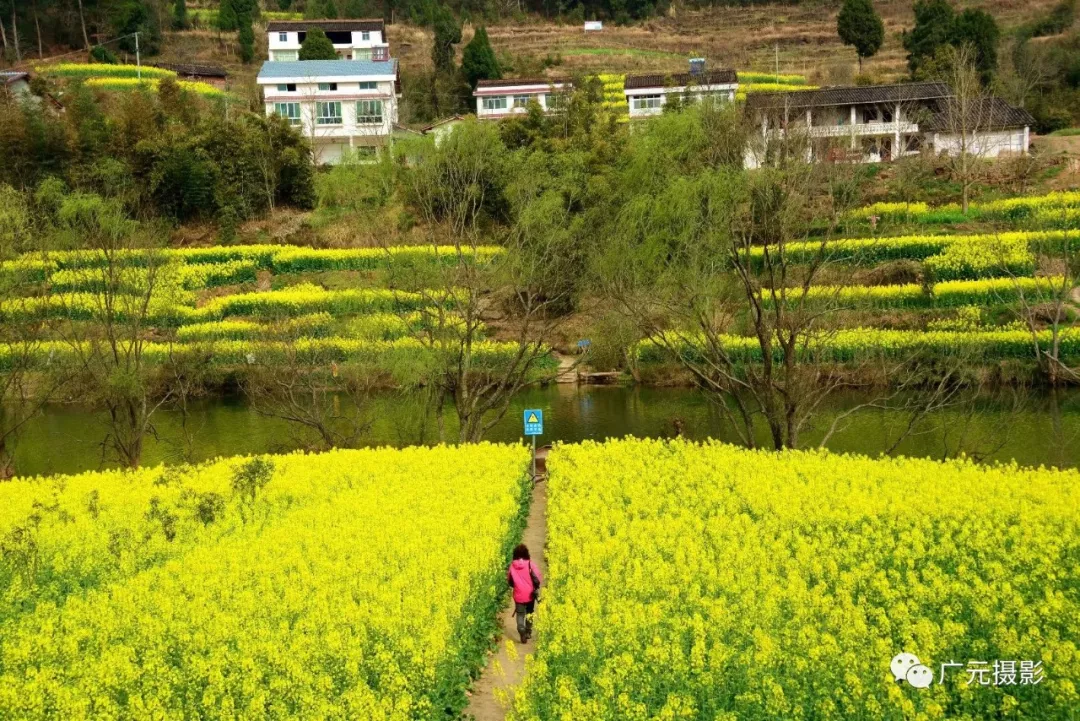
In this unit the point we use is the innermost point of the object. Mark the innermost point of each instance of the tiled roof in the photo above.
(326, 68)
(848, 95)
(508, 82)
(203, 71)
(983, 114)
(328, 26)
(722, 76)
(10, 76)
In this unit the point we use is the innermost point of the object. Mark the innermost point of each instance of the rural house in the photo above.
(647, 94)
(882, 122)
(497, 99)
(352, 39)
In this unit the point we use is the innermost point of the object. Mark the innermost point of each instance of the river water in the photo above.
(1043, 429)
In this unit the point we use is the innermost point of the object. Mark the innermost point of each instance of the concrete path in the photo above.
(493, 691)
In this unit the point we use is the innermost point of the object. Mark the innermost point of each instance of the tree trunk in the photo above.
(3, 35)
(37, 28)
(15, 34)
(82, 21)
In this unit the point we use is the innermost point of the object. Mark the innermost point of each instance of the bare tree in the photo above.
(516, 297)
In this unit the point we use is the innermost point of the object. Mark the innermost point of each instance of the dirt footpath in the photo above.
(494, 689)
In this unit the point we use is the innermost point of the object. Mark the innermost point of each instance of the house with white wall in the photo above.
(497, 99)
(646, 95)
(881, 122)
(352, 39)
(339, 105)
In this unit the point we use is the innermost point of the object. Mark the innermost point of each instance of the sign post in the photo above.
(534, 426)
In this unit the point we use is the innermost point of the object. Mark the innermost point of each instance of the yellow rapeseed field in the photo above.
(351, 585)
(695, 581)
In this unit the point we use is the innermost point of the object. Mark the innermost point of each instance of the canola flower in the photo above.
(747, 76)
(315, 325)
(193, 276)
(204, 89)
(704, 581)
(856, 344)
(102, 70)
(1037, 207)
(987, 291)
(317, 598)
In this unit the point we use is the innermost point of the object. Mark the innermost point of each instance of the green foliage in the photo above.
(246, 36)
(858, 24)
(101, 54)
(317, 46)
(937, 25)
(478, 61)
(1058, 20)
(247, 480)
(356, 8)
(327, 8)
(180, 18)
(447, 35)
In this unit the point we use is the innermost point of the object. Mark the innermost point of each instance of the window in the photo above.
(495, 102)
(365, 36)
(283, 37)
(379, 54)
(369, 112)
(288, 111)
(645, 102)
(328, 113)
(362, 55)
(285, 55)
(287, 88)
(369, 85)
(554, 101)
(327, 86)
(521, 101)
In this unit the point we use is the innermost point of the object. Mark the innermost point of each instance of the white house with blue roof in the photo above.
(339, 105)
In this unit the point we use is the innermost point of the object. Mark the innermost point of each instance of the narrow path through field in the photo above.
(494, 689)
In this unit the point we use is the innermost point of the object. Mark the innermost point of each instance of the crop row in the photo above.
(946, 257)
(858, 344)
(286, 303)
(987, 291)
(373, 326)
(401, 353)
(1038, 207)
(102, 70)
(275, 258)
(704, 581)
(190, 276)
(306, 593)
(204, 89)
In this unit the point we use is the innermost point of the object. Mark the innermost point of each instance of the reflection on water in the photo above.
(1045, 430)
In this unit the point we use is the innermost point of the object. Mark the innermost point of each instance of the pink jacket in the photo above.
(518, 577)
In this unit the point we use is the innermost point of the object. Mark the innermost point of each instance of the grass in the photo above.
(636, 52)
(1065, 132)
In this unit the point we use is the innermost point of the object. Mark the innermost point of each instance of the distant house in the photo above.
(352, 39)
(647, 94)
(210, 74)
(441, 128)
(339, 105)
(882, 122)
(497, 99)
(16, 83)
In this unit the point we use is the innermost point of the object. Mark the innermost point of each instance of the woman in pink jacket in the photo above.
(524, 577)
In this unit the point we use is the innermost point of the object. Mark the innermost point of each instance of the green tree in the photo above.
(447, 35)
(978, 30)
(227, 19)
(478, 61)
(247, 39)
(317, 46)
(933, 24)
(328, 8)
(180, 19)
(355, 8)
(858, 24)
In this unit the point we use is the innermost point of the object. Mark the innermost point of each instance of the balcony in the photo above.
(863, 129)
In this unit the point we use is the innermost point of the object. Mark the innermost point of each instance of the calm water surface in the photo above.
(1045, 429)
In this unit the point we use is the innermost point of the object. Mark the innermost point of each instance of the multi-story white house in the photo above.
(647, 94)
(339, 105)
(496, 99)
(352, 39)
(882, 122)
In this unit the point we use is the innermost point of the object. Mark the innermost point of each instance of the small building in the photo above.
(16, 83)
(352, 39)
(497, 99)
(210, 74)
(441, 128)
(647, 94)
(882, 122)
(340, 105)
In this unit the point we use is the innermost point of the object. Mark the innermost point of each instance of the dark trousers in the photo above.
(523, 613)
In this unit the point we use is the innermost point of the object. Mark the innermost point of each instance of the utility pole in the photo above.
(776, 50)
(138, 62)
